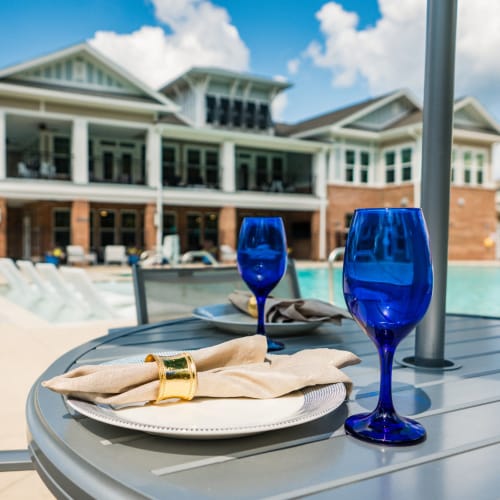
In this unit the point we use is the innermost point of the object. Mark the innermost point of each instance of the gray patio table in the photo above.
(79, 457)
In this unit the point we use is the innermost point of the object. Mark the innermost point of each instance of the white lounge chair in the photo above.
(115, 254)
(66, 293)
(103, 304)
(227, 254)
(171, 249)
(203, 255)
(75, 254)
(20, 290)
(52, 304)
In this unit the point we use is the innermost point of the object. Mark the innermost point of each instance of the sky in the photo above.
(334, 53)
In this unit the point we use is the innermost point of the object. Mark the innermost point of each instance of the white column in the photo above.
(79, 151)
(320, 190)
(153, 157)
(332, 163)
(227, 161)
(3, 149)
(319, 173)
(154, 180)
(322, 230)
(416, 162)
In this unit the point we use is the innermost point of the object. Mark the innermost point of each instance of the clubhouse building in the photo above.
(91, 156)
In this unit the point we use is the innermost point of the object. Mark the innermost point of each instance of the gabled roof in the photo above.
(219, 73)
(469, 114)
(357, 116)
(81, 69)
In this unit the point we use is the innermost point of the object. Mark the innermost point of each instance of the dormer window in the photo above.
(224, 111)
(250, 115)
(211, 105)
(237, 115)
(263, 117)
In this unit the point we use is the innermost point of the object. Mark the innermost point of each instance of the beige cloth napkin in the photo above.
(237, 368)
(287, 310)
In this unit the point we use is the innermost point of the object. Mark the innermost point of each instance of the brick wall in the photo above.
(472, 216)
(227, 227)
(80, 224)
(472, 220)
(149, 226)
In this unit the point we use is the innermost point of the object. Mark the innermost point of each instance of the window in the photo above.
(212, 168)
(479, 168)
(129, 228)
(62, 227)
(193, 231)
(406, 164)
(349, 165)
(250, 114)
(62, 155)
(169, 223)
(453, 162)
(390, 172)
(261, 171)
(211, 108)
(194, 167)
(169, 177)
(107, 227)
(237, 113)
(263, 118)
(107, 165)
(224, 111)
(210, 230)
(467, 167)
(365, 164)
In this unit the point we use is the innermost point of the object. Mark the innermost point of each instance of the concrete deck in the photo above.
(29, 345)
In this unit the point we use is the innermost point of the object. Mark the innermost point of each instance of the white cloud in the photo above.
(280, 102)
(390, 54)
(293, 66)
(201, 35)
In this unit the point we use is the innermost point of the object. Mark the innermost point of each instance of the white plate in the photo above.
(218, 418)
(228, 318)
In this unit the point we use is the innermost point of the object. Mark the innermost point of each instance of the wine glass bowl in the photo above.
(262, 261)
(387, 280)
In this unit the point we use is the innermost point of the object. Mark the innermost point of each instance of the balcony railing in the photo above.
(27, 164)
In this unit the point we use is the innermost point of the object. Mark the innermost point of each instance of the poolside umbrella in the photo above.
(435, 184)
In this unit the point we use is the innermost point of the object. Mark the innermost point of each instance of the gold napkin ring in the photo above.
(177, 374)
(252, 306)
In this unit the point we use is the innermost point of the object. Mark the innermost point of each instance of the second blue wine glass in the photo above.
(387, 288)
(262, 261)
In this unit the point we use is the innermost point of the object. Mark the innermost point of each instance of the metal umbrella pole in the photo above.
(435, 183)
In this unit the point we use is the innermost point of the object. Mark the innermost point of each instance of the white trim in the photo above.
(474, 103)
(75, 98)
(67, 191)
(3, 145)
(240, 139)
(87, 48)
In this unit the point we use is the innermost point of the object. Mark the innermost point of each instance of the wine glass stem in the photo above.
(385, 405)
(261, 302)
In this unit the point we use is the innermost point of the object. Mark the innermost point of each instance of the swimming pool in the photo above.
(471, 289)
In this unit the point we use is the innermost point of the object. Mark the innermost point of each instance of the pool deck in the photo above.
(29, 345)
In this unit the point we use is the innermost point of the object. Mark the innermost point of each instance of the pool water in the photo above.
(470, 289)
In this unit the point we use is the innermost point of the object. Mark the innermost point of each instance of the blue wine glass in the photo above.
(262, 261)
(387, 281)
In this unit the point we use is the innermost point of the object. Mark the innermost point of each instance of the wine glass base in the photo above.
(274, 345)
(391, 430)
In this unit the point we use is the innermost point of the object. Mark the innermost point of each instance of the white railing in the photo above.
(335, 254)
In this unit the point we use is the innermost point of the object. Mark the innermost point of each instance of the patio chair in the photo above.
(103, 304)
(167, 293)
(115, 254)
(75, 254)
(20, 289)
(227, 253)
(65, 292)
(171, 249)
